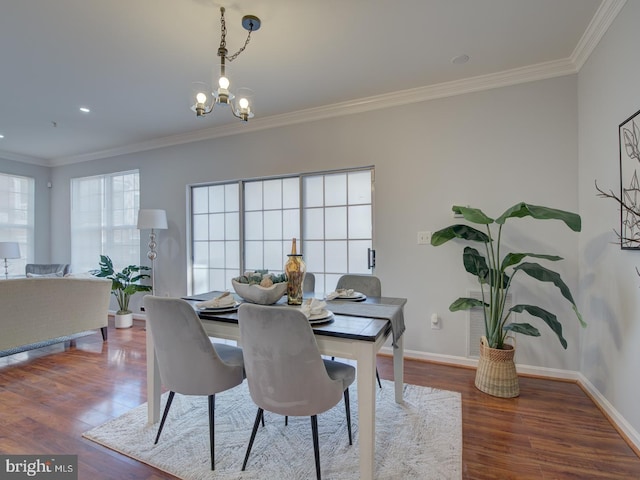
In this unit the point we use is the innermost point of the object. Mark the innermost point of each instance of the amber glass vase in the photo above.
(295, 268)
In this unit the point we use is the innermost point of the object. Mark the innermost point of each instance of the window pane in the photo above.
(272, 194)
(313, 254)
(290, 224)
(291, 193)
(201, 227)
(335, 189)
(314, 223)
(273, 259)
(200, 254)
(313, 191)
(359, 187)
(216, 226)
(336, 257)
(253, 255)
(216, 198)
(231, 197)
(360, 222)
(253, 196)
(358, 256)
(232, 226)
(253, 226)
(335, 225)
(273, 225)
(216, 255)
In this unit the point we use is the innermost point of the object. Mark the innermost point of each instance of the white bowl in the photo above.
(258, 294)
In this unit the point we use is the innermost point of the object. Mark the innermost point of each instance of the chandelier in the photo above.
(204, 99)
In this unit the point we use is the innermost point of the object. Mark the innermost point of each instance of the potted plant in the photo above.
(123, 284)
(495, 271)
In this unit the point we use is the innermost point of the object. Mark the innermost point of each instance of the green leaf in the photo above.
(545, 275)
(464, 232)
(548, 317)
(474, 215)
(572, 220)
(475, 263)
(514, 258)
(523, 328)
(463, 303)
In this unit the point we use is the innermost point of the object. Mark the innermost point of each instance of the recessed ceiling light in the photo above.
(84, 110)
(460, 59)
(1, 136)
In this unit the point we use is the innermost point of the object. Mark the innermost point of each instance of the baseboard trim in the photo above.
(624, 428)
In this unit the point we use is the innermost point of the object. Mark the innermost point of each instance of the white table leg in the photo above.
(398, 368)
(153, 382)
(366, 372)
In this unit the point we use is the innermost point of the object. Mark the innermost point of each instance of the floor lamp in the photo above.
(153, 219)
(9, 250)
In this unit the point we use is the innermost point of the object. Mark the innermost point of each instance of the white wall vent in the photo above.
(475, 329)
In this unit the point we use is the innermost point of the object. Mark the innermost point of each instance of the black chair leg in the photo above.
(316, 447)
(256, 424)
(348, 411)
(286, 420)
(212, 410)
(164, 415)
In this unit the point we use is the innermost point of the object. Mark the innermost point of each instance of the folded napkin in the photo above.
(341, 292)
(224, 300)
(313, 306)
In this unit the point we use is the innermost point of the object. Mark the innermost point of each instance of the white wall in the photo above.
(609, 92)
(490, 149)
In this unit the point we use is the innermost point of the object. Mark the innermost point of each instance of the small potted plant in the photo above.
(123, 284)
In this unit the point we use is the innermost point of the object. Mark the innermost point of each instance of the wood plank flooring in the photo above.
(48, 397)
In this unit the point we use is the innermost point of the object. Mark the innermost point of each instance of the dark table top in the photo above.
(354, 327)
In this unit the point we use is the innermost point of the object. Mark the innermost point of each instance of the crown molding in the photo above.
(421, 94)
(16, 157)
(601, 21)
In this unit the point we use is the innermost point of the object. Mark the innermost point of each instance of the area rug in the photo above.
(420, 439)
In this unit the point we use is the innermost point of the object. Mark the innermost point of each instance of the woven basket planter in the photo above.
(496, 374)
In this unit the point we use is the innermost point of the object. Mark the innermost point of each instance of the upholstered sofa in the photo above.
(39, 309)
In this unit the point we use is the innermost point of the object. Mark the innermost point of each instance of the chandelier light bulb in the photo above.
(244, 103)
(223, 82)
(201, 97)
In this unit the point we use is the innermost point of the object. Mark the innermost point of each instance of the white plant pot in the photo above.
(124, 321)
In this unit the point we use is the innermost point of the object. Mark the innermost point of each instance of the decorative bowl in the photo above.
(258, 294)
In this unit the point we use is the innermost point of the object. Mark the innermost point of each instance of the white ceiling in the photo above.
(132, 62)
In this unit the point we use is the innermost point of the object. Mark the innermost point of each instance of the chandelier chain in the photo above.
(223, 40)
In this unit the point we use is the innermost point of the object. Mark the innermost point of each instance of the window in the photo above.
(17, 200)
(104, 211)
(248, 225)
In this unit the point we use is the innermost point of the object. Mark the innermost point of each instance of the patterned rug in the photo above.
(420, 439)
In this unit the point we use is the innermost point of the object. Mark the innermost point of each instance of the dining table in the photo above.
(356, 330)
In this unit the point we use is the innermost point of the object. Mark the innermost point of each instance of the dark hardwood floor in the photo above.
(48, 397)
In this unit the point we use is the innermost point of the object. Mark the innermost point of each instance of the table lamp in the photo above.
(153, 219)
(9, 250)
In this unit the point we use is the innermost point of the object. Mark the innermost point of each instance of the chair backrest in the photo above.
(60, 269)
(309, 283)
(285, 372)
(367, 284)
(187, 360)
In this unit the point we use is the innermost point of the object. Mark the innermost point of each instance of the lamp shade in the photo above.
(9, 250)
(152, 218)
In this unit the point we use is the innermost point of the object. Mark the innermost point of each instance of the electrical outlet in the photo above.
(424, 238)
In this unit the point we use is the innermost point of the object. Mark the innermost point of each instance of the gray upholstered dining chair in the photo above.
(367, 284)
(189, 363)
(285, 372)
(34, 269)
(309, 283)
